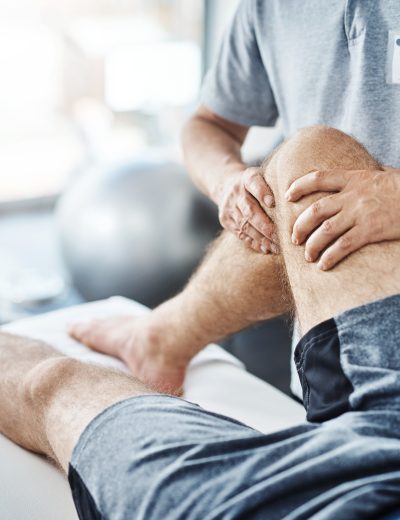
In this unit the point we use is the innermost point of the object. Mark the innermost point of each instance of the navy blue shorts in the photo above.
(158, 457)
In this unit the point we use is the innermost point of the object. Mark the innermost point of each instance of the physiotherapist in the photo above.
(328, 62)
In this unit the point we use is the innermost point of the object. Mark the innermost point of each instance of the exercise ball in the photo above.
(136, 230)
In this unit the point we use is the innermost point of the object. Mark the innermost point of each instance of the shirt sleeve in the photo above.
(237, 87)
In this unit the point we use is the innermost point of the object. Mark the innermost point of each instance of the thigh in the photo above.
(366, 275)
(155, 457)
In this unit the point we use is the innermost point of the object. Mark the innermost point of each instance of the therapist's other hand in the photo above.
(363, 209)
(136, 342)
(241, 201)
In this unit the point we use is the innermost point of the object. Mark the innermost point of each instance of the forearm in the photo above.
(212, 150)
(233, 289)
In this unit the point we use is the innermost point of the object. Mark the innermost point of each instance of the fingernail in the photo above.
(322, 266)
(308, 257)
(264, 249)
(269, 201)
(294, 240)
(275, 249)
(288, 195)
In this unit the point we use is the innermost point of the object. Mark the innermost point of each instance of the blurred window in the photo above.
(92, 80)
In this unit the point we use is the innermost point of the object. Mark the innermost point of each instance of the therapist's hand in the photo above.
(241, 200)
(365, 209)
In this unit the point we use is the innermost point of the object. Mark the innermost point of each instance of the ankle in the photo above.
(170, 337)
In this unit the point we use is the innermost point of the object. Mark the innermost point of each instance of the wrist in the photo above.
(218, 189)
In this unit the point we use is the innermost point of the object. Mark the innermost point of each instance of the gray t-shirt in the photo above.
(331, 62)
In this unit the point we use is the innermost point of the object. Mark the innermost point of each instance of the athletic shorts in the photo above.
(158, 457)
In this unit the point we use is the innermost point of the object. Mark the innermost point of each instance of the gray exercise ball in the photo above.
(138, 231)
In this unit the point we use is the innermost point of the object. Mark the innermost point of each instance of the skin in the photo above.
(212, 153)
(212, 150)
(363, 208)
(233, 288)
(247, 278)
(47, 400)
(368, 274)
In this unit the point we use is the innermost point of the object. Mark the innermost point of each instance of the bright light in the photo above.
(147, 77)
(88, 81)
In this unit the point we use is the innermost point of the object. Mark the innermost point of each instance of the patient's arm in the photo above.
(233, 288)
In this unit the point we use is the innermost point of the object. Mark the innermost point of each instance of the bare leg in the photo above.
(47, 400)
(367, 275)
(233, 288)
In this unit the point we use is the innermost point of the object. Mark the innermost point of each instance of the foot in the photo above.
(138, 343)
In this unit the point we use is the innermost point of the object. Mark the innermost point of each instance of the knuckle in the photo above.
(327, 227)
(345, 242)
(247, 183)
(315, 208)
(245, 226)
(249, 175)
(319, 175)
(370, 227)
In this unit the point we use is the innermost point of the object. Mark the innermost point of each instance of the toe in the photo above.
(80, 331)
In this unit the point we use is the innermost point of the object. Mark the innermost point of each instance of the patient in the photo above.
(132, 452)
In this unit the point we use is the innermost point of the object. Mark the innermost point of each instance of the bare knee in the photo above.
(42, 381)
(316, 148)
(320, 148)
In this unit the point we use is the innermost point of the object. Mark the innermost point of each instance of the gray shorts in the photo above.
(158, 457)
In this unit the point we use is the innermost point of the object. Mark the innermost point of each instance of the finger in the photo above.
(252, 211)
(246, 239)
(330, 230)
(321, 180)
(256, 246)
(261, 244)
(312, 217)
(231, 221)
(255, 184)
(346, 244)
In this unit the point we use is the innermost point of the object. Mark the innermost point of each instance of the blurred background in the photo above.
(94, 199)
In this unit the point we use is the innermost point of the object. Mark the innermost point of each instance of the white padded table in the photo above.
(32, 489)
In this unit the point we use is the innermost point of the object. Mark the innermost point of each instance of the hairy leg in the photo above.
(47, 400)
(367, 275)
(232, 289)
